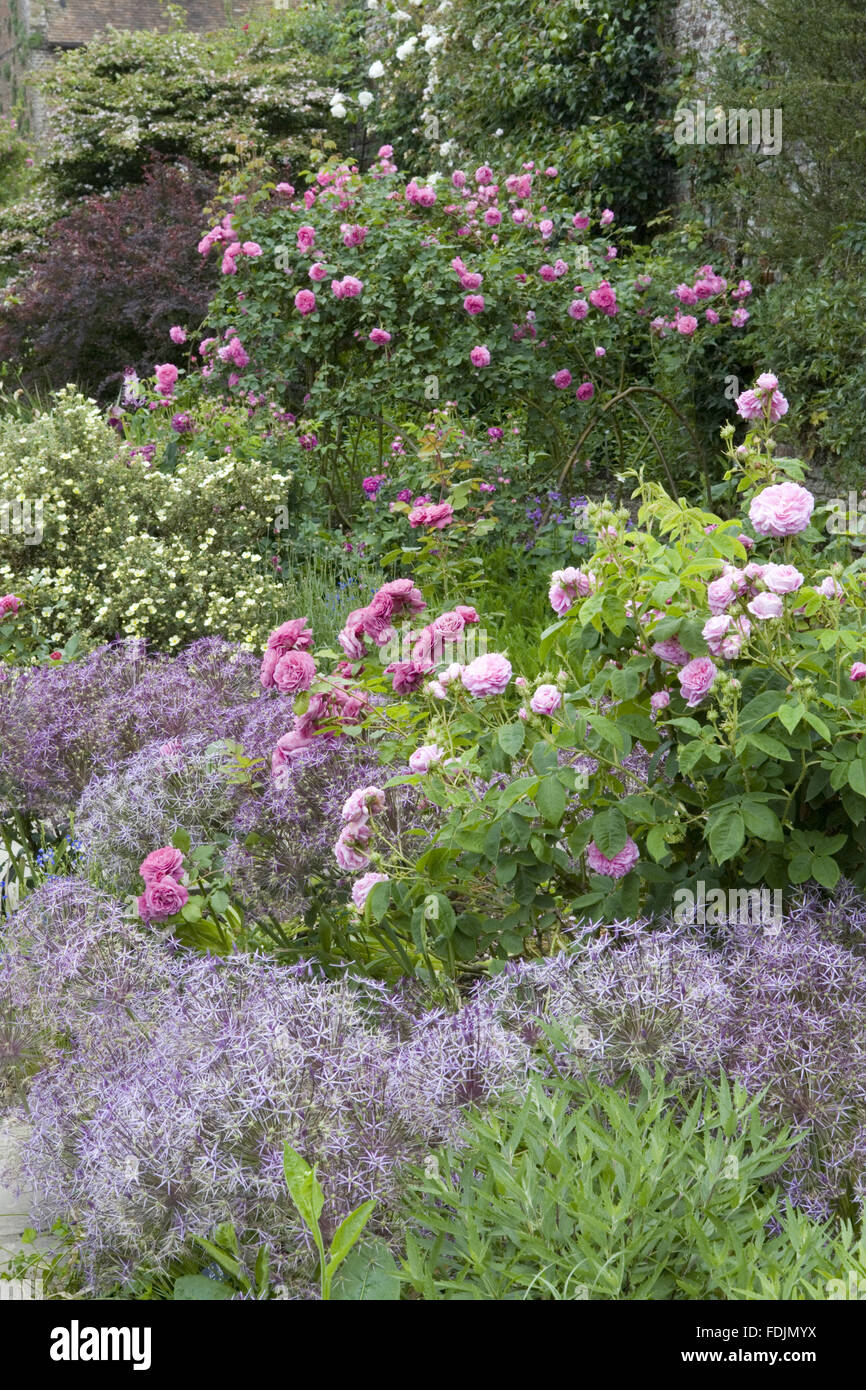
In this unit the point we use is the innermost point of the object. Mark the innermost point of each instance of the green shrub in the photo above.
(584, 1192)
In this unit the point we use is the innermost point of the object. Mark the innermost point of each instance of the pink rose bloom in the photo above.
(545, 226)
(407, 675)
(437, 515)
(353, 235)
(306, 238)
(379, 336)
(578, 309)
(317, 271)
(480, 357)
(404, 596)
(362, 887)
(294, 672)
(830, 588)
(251, 248)
(487, 675)
(305, 301)
(781, 510)
(714, 631)
(566, 586)
(711, 316)
(483, 174)
(686, 324)
(604, 299)
(619, 866)
(467, 613)
(696, 680)
(474, 304)
(458, 178)
(660, 699)
(162, 898)
(177, 334)
(606, 218)
(721, 593)
(585, 391)
(362, 803)
(9, 603)
(426, 757)
(765, 606)
(471, 280)
(161, 863)
(166, 377)
(547, 273)
(286, 750)
(348, 850)
(580, 221)
(740, 317)
(671, 651)
(858, 671)
(782, 579)
(562, 379)
(732, 644)
(546, 700)
(493, 217)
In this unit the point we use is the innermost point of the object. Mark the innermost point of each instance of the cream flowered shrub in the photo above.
(132, 551)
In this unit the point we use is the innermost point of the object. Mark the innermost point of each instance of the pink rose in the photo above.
(161, 863)
(578, 309)
(546, 700)
(721, 593)
(781, 510)
(287, 749)
(562, 379)
(474, 304)
(348, 850)
(671, 651)
(585, 391)
(317, 271)
(405, 596)
(765, 606)
(362, 803)
(9, 603)
(162, 898)
(696, 680)
(306, 238)
(166, 376)
(858, 671)
(619, 866)
(379, 336)
(177, 334)
(782, 579)
(604, 299)
(407, 675)
(714, 631)
(426, 757)
(305, 302)
(830, 588)
(437, 515)
(480, 357)
(362, 887)
(294, 672)
(660, 699)
(487, 675)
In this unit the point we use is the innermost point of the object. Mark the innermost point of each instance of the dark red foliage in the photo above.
(117, 273)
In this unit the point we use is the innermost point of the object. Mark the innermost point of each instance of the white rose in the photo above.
(377, 69)
(365, 99)
(338, 111)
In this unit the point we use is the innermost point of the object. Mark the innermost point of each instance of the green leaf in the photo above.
(180, 840)
(790, 715)
(551, 799)
(857, 776)
(347, 1234)
(761, 821)
(826, 871)
(610, 831)
(510, 737)
(369, 1275)
(726, 834)
(201, 1289)
(304, 1189)
(219, 901)
(378, 900)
